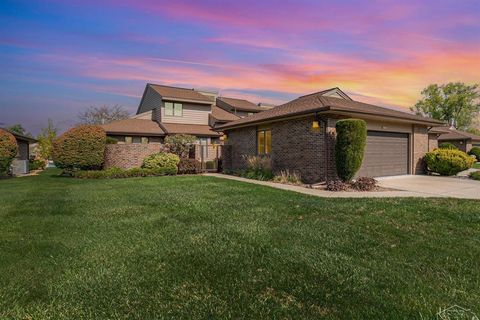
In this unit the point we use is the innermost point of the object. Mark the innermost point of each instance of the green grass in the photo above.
(202, 247)
(476, 165)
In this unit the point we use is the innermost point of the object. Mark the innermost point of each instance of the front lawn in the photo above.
(202, 247)
(476, 165)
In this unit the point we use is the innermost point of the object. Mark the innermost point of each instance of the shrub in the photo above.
(448, 162)
(189, 166)
(37, 164)
(447, 145)
(8, 151)
(288, 177)
(364, 184)
(81, 148)
(210, 164)
(475, 175)
(259, 168)
(111, 140)
(161, 160)
(349, 147)
(337, 185)
(475, 151)
(180, 144)
(117, 173)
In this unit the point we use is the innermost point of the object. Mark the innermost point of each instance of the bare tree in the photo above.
(103, 114)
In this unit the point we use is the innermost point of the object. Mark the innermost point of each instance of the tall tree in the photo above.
(45, 140)
(103, 114)
(19, 129)
(455, 102)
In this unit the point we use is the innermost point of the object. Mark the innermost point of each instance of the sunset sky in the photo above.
(59, 57)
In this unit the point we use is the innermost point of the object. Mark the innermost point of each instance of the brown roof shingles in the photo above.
(180, 93)
(241, 104)
(318, 103)
(458, 135)
(134, 127)
(193, 129)
(222, 115)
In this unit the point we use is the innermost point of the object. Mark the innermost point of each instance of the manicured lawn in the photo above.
(201, 247)
(476, 165)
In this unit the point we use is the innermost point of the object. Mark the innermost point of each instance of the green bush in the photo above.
(350, 147)
(37, 164)
(448, 162)
(475, 151)
(80, 148)
(210, 164)
(111, 140)
(189, 166)
(475, 175)
(180, 144)
(118, 173)
(258, 168)
(8, 151)
(161, 160)
(447, 145)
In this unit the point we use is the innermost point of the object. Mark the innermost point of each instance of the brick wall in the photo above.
(129, 155)
(420, 147)
(432, 141)
(242, 142)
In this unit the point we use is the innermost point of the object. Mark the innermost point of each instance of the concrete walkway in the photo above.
(330, 194)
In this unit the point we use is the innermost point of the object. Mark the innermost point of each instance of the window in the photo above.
(144, 140)
(128, 139)
(137, 140)
(264, 141)
(173, 109)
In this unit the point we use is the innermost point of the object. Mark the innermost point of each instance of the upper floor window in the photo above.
(264, 141)
(173, 109)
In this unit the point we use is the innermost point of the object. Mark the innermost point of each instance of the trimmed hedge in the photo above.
(8, 151)
(350, 147)
(447, 145)
(161, 160)
(117, 173)
(81, 148)
(448, 162)
(475, 151)
(189, 166)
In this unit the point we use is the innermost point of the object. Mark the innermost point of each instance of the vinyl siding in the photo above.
(192, 114)
(151, 101)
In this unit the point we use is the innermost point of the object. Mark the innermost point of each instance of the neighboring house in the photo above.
(166, 110)
(461, 139)
(300, 136)
(239, 107)
(20, 163)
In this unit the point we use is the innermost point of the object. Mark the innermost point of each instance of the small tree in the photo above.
(102, 115)
(350, 147)
(81, 147)
(8, 151)
(45, 140)
(180, 144)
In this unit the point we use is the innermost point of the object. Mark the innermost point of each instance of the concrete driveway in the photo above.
(434, 186)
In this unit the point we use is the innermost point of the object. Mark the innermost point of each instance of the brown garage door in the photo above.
(386, 154)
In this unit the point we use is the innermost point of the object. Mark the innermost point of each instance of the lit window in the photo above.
(173, 109)
(264, 141)
(144, 140)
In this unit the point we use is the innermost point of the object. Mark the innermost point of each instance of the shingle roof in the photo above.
(193, 129)
(222, 115)
(134, 127)
(241, 104)
(318, 103)
(458, 135)
(180, 93)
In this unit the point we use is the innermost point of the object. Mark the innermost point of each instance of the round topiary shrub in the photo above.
(8, 151)
(448, 162)
(350, 147)
(161, 160)
(447, 145)
(475, 151)
(81, 147)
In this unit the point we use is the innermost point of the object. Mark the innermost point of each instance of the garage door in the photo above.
(386, 154)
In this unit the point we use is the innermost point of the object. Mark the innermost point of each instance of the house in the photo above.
(166, 110)
(300, 136)
(462, 140)
(20, 163)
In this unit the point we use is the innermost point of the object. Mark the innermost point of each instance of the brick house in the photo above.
(462, 140)
(300, 136)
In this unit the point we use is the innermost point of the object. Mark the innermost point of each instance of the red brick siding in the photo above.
(420, 147)
(128, 156)
(243, 142)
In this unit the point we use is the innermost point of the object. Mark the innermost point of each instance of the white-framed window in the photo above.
(173, 109)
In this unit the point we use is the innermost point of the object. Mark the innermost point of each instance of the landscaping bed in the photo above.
(202, 247)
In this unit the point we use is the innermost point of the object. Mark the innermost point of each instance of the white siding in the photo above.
(192, 114)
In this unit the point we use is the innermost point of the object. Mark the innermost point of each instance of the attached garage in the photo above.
(386, 154)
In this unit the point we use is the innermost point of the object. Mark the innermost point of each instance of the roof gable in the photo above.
(183, 94)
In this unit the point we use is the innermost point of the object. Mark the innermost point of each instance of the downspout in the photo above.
(326, 142)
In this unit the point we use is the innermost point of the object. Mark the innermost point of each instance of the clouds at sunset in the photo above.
(80, 53)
